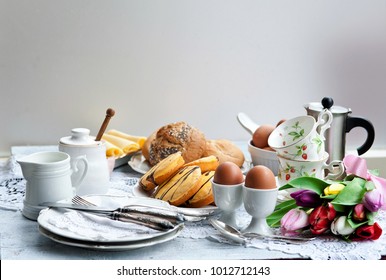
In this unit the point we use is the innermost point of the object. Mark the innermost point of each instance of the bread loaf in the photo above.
(224, 150)
(146, 146)
(177, 137)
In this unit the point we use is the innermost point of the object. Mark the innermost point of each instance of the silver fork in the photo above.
(159, 212)
(150, 219)
(81, 201)
(188, 215)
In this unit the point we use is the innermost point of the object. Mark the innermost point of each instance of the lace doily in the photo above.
(327, 247)
(12, 189)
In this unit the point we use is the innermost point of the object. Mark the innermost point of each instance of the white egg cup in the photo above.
(228, 199)
(259, 203)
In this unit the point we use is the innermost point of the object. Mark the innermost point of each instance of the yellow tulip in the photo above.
(334, 189)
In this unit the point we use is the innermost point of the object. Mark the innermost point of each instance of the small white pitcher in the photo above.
(48, 176)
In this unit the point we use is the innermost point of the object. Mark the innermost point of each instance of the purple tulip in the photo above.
(294, 219)
(306, 198)
(373, 200)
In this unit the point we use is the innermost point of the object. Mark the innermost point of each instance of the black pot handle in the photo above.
(368, 126)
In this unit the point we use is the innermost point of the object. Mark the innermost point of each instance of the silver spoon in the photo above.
(247, 123)
(235, 235)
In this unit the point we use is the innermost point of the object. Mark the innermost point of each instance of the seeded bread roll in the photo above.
(177, 137)
(225, 150)
(146, 145)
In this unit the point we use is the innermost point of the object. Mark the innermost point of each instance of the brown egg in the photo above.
(269, 149)
(228, 173)
(260, 136)
(260, 177)
(280, 122)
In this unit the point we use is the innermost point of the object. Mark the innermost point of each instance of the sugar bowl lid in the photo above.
(79, 137)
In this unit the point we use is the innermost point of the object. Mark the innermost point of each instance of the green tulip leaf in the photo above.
(355, 224)
(329, 197)
(349, 177)
(374, 172)
(351, 195)
(307, 183)
(371, 217)
(340, 208)
(369, 185)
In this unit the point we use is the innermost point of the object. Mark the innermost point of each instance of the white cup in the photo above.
(48, 176)
(291, 169)
(299, 139)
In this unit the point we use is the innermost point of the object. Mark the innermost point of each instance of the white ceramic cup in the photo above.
(291, 169)
(228, 198)
(298, 138)
(259, 203)
(263, 157)
(48, 176)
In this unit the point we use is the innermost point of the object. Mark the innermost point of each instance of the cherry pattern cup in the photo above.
(291, 169)
(301, 138)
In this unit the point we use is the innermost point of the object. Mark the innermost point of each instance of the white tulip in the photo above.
(340, 226)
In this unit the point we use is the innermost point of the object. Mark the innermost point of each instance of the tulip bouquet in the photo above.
(346, 208)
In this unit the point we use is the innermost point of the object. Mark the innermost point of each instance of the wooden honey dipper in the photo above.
(109, 113)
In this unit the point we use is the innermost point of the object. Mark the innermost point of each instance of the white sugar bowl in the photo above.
(80, 143)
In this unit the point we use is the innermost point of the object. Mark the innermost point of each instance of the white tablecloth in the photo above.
(21, 239)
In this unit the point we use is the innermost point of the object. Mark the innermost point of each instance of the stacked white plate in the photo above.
(86, 230)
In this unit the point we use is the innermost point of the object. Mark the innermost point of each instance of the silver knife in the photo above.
(172, 216)
(150, 202)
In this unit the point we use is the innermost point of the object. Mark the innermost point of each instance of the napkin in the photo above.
(85, 226)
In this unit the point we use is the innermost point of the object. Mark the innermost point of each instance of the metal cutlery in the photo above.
(190, 214)
(235, 235)
(147, 205)
(155, 221)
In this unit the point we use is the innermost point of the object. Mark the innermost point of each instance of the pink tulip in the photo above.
(373, 200)
(294, 219)
(359, 213)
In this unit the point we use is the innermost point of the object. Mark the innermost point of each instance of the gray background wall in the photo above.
(63, 63)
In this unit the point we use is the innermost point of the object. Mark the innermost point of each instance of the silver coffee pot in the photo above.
(342, 123)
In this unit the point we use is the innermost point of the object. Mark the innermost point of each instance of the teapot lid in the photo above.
(79, 137)
(327, 102)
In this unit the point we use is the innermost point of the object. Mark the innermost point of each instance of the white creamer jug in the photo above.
(80, 143)
(48, 176)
